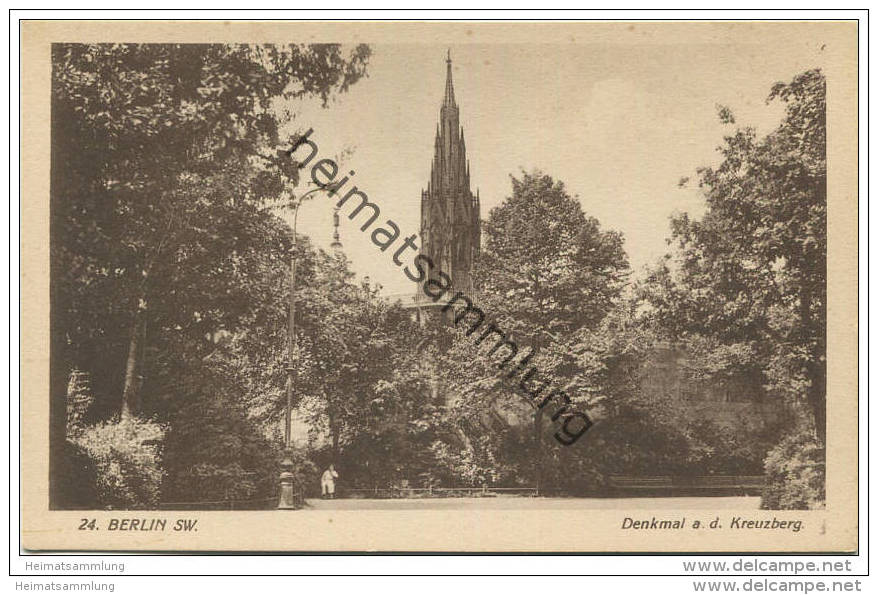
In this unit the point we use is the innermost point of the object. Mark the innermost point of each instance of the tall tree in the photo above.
(357, 381)
(162, 156)
(546, 271)
(749, 279)
(358, 370)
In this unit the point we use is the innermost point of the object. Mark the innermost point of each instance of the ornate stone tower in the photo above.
(450, 232)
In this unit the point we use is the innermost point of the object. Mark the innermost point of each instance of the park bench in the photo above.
(667, 484)
(739, 482)
(640, 483)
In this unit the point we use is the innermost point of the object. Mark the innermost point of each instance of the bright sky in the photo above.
(618, 124)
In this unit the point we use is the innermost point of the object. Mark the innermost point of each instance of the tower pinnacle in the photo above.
(449, 86)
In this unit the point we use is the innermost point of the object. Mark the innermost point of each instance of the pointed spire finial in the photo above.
(449, 86)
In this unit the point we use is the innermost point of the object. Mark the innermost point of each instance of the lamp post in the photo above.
(287, 499)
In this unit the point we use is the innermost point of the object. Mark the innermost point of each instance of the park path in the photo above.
(690, 503)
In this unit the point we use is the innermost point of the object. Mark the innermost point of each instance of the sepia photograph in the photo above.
(439, 286)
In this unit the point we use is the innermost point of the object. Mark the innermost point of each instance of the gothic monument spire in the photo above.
(450, 228)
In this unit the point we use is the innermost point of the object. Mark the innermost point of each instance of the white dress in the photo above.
(327, 482)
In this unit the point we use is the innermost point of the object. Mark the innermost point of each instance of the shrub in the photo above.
(723, 450)
(795, 474)
(213, 451)
(465, 465)
(628, 443)
(126, 456)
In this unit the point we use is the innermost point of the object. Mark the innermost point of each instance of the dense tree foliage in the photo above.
(358, 383)
(746, 287)
(163, 157)
(546, 272)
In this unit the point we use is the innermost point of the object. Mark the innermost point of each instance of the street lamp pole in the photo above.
(287, 499)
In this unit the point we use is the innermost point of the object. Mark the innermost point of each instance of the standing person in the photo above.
(327, 483)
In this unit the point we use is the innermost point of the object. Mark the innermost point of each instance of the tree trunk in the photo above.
(130, 402)
(333, 432)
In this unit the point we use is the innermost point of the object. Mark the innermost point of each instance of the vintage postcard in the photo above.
(439, 287)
